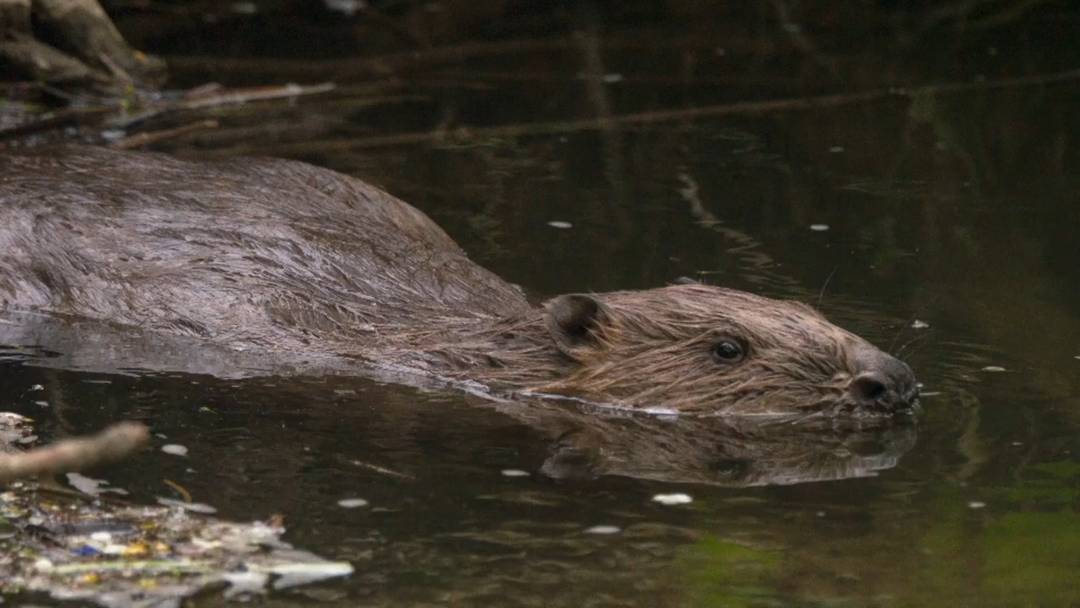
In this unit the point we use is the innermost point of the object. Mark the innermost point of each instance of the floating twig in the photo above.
(110, 445)
(150, 137)
(225, 97)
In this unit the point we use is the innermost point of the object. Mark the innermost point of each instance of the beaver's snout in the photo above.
(882, 381)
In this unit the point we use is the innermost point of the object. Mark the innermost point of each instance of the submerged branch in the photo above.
(742, 108)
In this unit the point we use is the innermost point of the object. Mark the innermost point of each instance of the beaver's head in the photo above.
(698, 348)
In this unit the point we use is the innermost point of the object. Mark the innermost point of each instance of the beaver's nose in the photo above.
(882, 381)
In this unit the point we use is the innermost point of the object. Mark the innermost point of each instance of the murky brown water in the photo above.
(939, 222)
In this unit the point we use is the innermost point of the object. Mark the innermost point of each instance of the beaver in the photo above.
(314, 269)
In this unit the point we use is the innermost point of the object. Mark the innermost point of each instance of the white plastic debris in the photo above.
(603, 530)
(352, 503)
(175, 449)
(673, 499)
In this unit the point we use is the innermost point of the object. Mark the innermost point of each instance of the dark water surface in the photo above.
(939, 222)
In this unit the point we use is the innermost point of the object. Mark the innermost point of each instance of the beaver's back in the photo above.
(255, 251)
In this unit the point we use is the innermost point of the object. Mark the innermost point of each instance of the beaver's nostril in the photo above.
(869, 387)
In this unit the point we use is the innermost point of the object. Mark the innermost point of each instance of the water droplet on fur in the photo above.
(819, 227)
(993, 368)
(560, 224)
(514, 473)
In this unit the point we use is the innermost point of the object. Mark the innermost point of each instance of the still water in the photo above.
(940, 221)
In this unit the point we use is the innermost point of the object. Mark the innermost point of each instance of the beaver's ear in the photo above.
(574, 319)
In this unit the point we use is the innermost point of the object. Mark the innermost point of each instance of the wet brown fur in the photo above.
(655, 351)
(302, 263)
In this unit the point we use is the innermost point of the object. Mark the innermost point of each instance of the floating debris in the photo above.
(603, 530)
(194, 507)
(673, 499)
(91, 486)
(175, 449)
(514, 473)
(352, 503)
(560, 224)
(819, 227)
(142, 556)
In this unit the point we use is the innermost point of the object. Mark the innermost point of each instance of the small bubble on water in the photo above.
(673, 499)
(603, 530)
(514, 473)
(560, 224)
(917, 324)
(345, 7)
(993, 368)
(352, 503)
(175, 449)
(976, 504)
(245, 8)
(819, 227)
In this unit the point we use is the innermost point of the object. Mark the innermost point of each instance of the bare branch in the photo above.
(110, 445)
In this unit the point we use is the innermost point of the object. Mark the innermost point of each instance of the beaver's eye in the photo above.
(727, 351)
